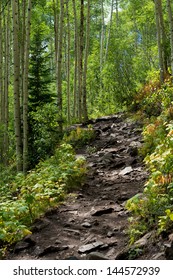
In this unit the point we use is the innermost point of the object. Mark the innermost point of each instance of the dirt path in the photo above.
(93, 219)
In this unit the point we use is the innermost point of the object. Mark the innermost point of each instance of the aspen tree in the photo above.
(80, 60)
(1, 83)
(159, 41)
(1, 54)
(59, 67)
(109, 31)
(16, 62)
(25, 87)
(7, 82)
(117, 13)
(58, 30)
(85, 114)
(68, 63)
(76, 45)
(163, 36)
(170, 18)
(102, 36)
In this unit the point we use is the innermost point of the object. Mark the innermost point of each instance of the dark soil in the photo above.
(92, 223)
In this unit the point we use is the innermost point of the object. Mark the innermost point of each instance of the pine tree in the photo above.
(39, 72)
(39, 91)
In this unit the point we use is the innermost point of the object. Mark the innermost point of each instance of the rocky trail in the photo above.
(92, 222)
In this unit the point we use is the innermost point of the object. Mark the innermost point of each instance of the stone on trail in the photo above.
(126, 170)
(144, 240)
(135, 144)
(110, 234)
(102, 211)
(52, 249)
(21, 245)
(96, 256)
(90, 247)
(86, 225)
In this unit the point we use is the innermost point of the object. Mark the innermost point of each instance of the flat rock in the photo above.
(126, 170)
(21, 245)
(135, 144)
(72, 231)
(143, 241)
(159, 256)
(30, 240)
(117, 207)
(96, 256)
(52, 249)
(86, 225)
(112, 242)
(102, 211)
(90, 247)
(40, 224)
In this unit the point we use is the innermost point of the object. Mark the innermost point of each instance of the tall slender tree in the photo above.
(109, 30)
(68, 63)
(102, 35)
(25, 87)
(76, 46)
(16, 62)
(159, 40)
(7, 82)
(170, 18)
(1, 85)
(85, 113)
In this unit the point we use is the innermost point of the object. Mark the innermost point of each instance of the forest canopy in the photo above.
(66, 61)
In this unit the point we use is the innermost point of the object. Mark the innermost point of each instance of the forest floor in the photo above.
(92, 222)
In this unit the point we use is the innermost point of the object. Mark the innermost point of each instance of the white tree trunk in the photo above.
(85, 114)
(170, 17)
(16, 62)
(109, 31)
(25, 89)
(159, 42)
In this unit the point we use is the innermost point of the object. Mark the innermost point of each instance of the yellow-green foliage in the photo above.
(154, 208)
(28, 197)
(79, 136)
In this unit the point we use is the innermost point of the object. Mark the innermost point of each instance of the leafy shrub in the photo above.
(153, 134)
(154, 208)
(79, 136)
(29, 197)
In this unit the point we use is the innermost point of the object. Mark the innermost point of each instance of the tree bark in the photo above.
(117, 12)
(25, 88)
(68, 64)
(170, 17)
(1, 85)
(6, 84)
(56, 29)
(16, 61)
(1, 67)
(102, 36)
(109, 31)
(159, 41)
(59, 67)
(85, 114)
(80, 60)
(76, 45)
(163, 37)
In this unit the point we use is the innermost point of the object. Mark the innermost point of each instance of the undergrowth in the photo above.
(79, 137)
(154, 208)
(25, 198)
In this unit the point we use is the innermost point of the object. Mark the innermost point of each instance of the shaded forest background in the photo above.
(65, 62)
